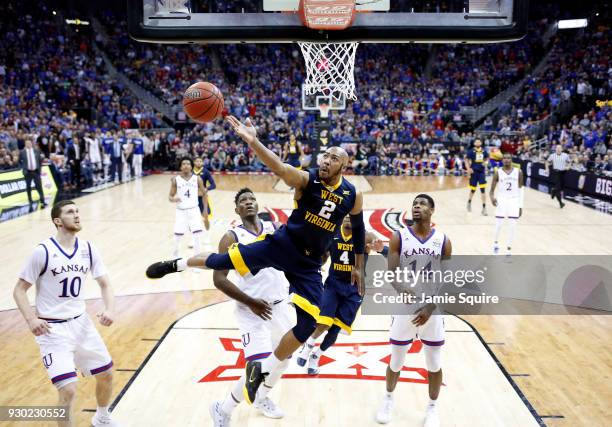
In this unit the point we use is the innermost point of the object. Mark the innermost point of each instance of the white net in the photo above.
(330, 65)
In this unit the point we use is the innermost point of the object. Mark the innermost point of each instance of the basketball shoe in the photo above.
(303, 354)
(103, 421)
(268, 408)
(383, 416)
(313, 363)
(220, 418)
(431, 417)
(254, 378)
(160, 269)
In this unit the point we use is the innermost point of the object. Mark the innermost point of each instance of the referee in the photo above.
(560, 163)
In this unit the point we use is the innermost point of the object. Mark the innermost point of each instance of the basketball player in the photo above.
(475, 162)
(509, 200)
(323, 198)
(67, 337)
(417, 247)
(341, 300)
(292, 152)
(95, 158)
(184, 191)
(262, 310)
(209, 183)
(138, 154)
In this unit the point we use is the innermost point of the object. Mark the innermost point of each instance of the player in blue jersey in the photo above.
(322, 198)
(341, 300)
(209, 183)
(476, 161)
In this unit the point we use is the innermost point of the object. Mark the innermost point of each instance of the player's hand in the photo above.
(261, 308)
(493, 201)
(246, 131)
(39, 327)
(423, 315)
(520, 212)
(377, 245)
(357, 280)
(106, 318)
(176, 199)
(206, 222)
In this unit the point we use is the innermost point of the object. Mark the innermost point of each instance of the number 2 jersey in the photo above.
(59, 277)
(319, 213)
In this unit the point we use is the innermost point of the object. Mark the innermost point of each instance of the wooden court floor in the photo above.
(562, 364)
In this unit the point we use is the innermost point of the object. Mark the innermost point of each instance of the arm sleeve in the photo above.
(35, 265)
(358, 232)
(98, 269)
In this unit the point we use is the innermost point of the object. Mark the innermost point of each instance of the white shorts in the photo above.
(75, 344)
(188, 220)
(260, 337)
(403, 331)
(507, 208)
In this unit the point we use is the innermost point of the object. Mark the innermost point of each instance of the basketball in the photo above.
(203, 102)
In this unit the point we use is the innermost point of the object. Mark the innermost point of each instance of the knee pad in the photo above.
(398, 356)
(304, 326)
(433, 357)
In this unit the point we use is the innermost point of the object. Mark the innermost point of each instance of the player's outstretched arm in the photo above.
(221, 282)
(293, 177)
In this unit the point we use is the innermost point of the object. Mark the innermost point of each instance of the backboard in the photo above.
(376, 21)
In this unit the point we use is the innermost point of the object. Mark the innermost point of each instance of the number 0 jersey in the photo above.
(59, 277)
(319, 213)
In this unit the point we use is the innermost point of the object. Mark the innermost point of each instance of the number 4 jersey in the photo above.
(59, 277)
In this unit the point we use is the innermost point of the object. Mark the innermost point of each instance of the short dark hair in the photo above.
(240, 193)
(189, 159)
(56, 210)
(428, 198)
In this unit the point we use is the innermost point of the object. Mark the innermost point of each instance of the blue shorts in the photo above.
(278, 251)
(340, 304)
(478, 179)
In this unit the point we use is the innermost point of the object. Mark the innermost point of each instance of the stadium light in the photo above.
(76, 22)
(566, 24)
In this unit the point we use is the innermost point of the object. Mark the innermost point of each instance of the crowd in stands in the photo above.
(54, 88)
(578, 70)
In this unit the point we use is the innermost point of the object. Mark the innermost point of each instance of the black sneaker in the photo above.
(160, 269)
(254, 378)
(561, 205)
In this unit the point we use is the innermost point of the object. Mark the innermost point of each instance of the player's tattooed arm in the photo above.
(293, 177)
(172, 196)
(258, 306)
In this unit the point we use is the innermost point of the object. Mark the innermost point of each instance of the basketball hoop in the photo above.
(324, 110)
(329, 64)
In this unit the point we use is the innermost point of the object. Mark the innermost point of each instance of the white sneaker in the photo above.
(431, 417)
(383, 416)
(303, 355)
(484, 211)
(313, 364)
(220, 418)
(469, 206)
(103, 421)
(268, 408)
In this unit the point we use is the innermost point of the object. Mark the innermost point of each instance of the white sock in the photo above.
(269, 363)
(310, 343)
(196, 243)
(432, 402)
(272, 379)
(498, 224)
(177, 242)
(181, 264)
(102, 411)
(512, 231)
(389, 395)
(234, 397)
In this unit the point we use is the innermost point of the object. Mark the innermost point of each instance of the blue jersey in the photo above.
(319, 213)
(342, 257)
(477, 156)
(138, 146)
(207, 179)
